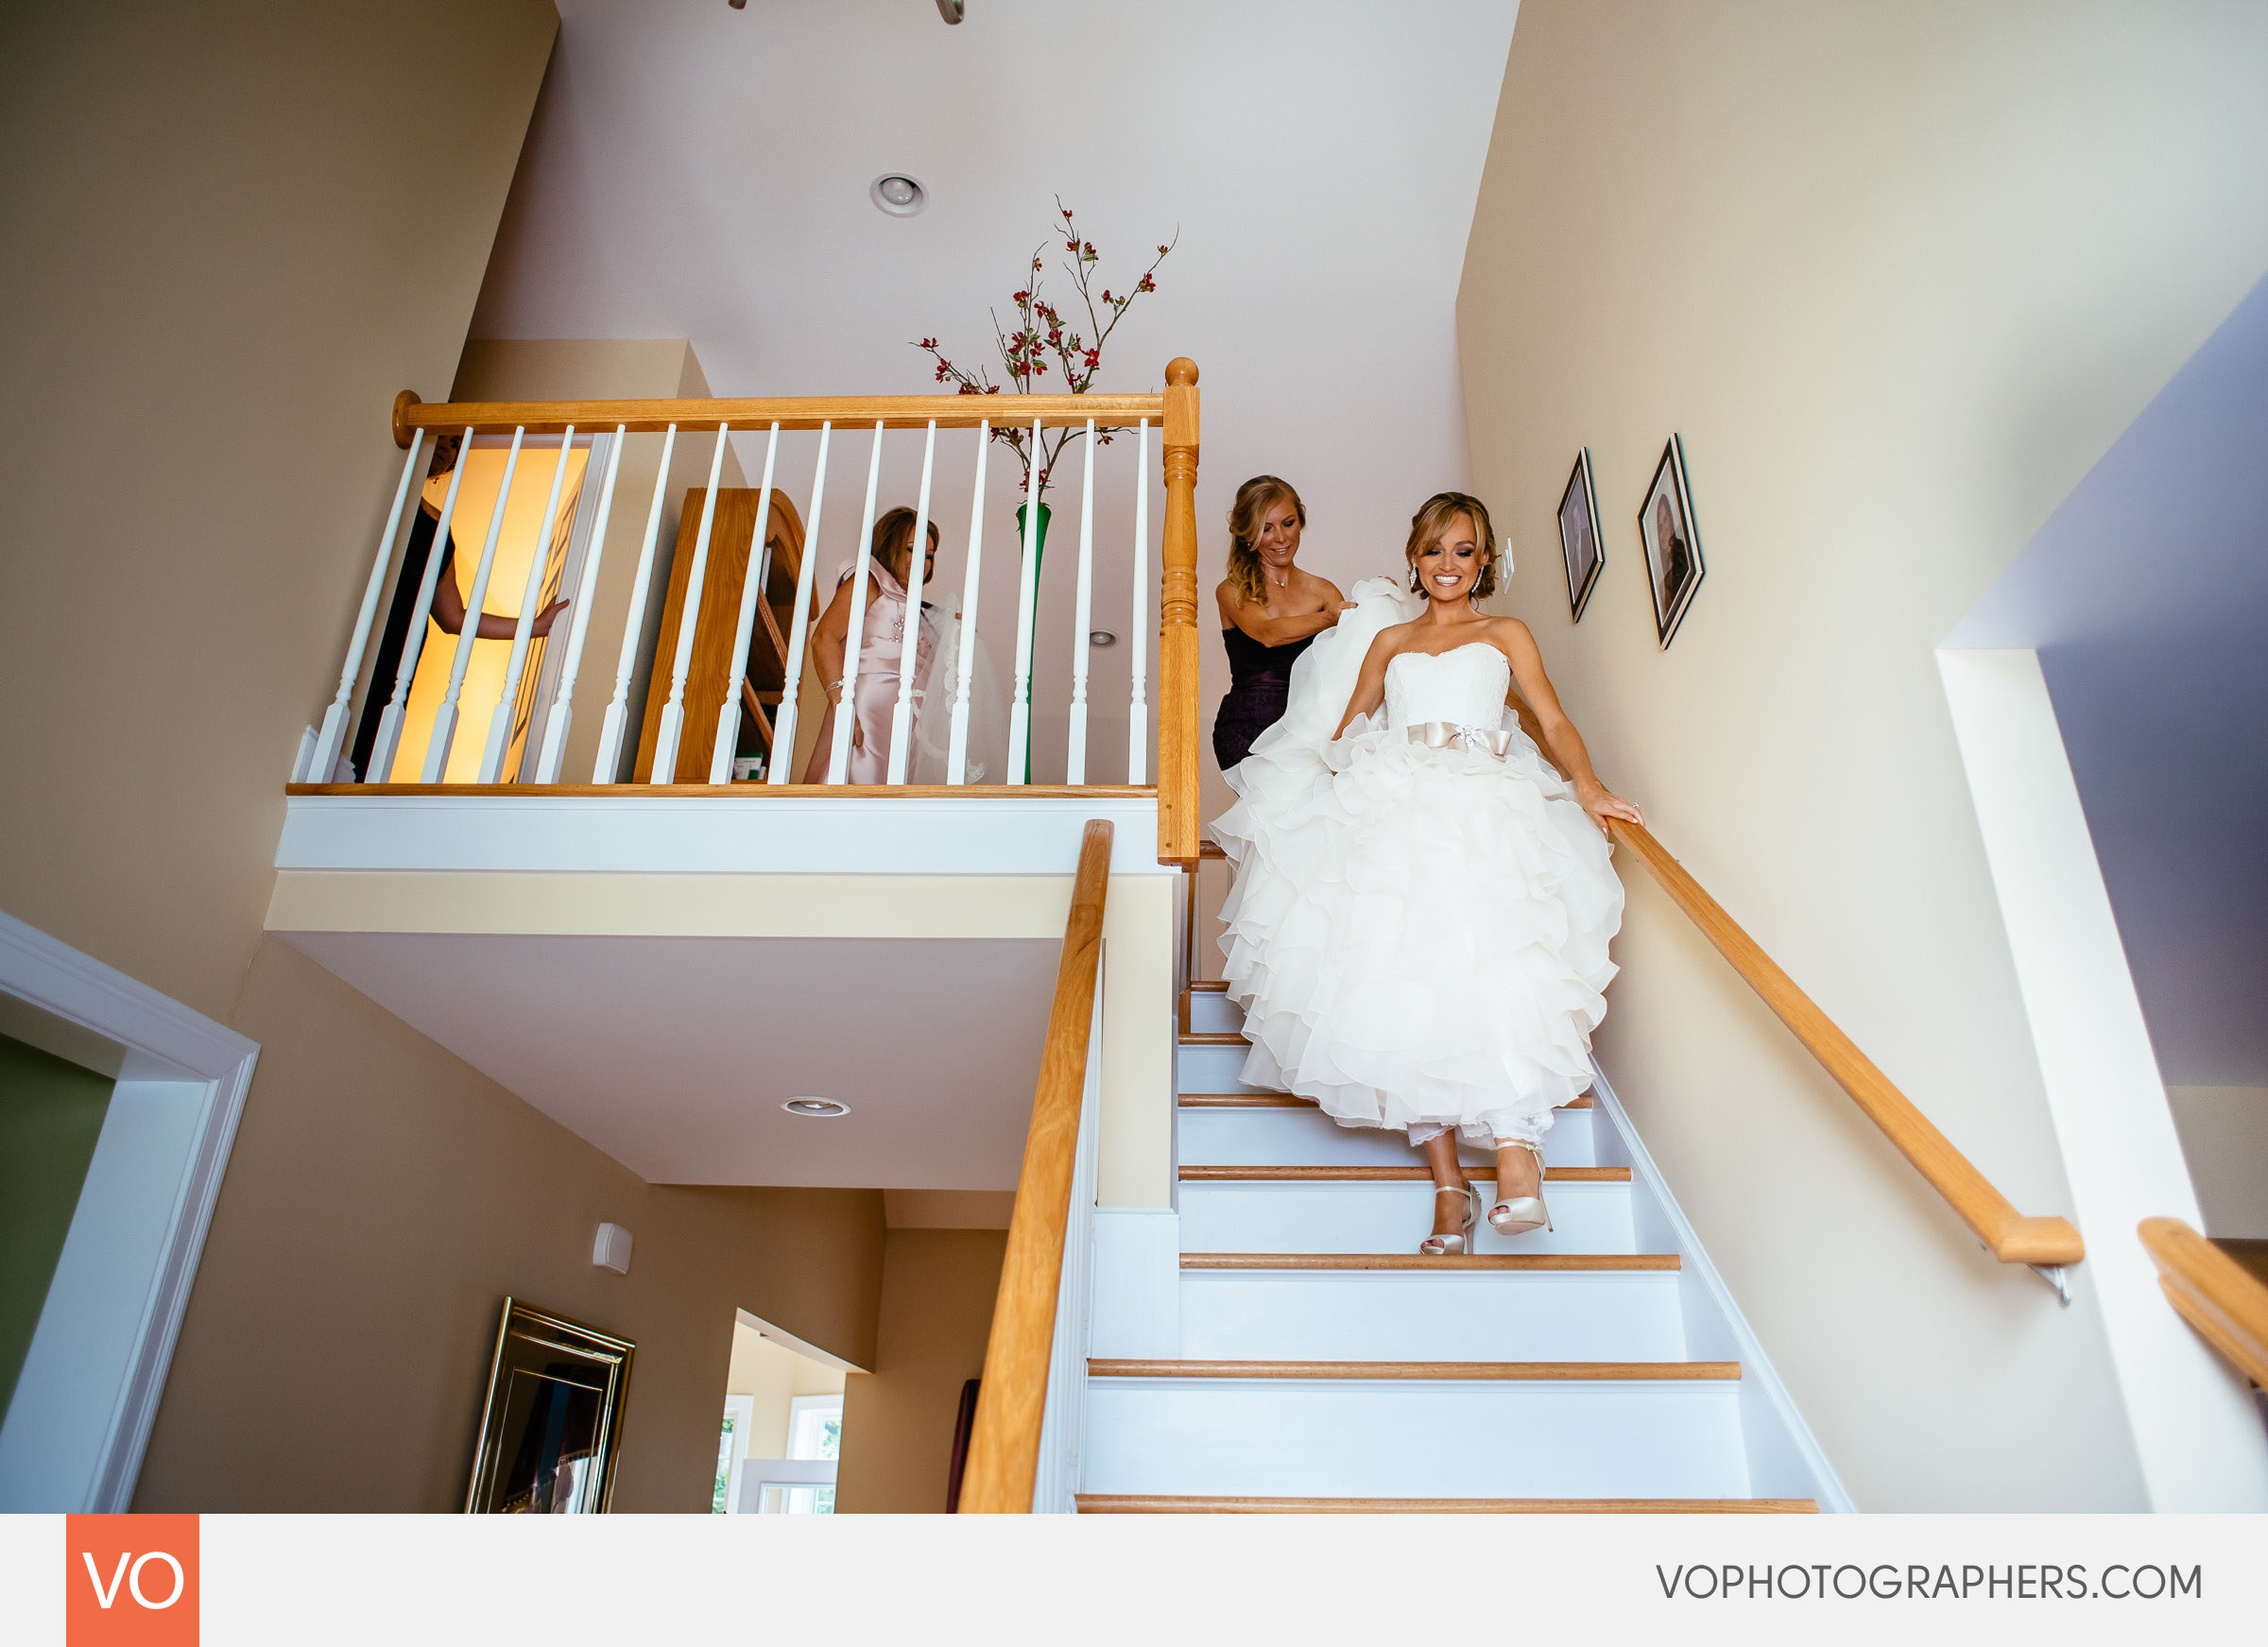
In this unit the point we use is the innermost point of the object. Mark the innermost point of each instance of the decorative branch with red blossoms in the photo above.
(1040, 341)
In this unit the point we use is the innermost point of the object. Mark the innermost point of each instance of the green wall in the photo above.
(50, 1114)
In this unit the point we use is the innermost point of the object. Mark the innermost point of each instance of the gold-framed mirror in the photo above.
(551, 1422)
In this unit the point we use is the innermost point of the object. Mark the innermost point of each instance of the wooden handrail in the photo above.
(2214, 1293)
(1003, 1453)
(803, 412)
(2006, 1233)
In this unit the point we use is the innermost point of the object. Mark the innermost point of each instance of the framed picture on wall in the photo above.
(1580, 540)
(1672, 541)
(553, 1419)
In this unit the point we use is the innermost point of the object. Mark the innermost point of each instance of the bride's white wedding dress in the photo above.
(1418, 929)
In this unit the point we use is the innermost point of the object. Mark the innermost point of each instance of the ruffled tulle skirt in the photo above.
(1418, 936)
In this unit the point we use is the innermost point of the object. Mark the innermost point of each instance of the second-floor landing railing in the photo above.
(761, 598)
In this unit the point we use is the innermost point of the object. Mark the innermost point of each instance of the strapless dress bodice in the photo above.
(1464, 685)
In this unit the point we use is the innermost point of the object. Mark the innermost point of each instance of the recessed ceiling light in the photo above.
(898, 195)
(823, 1107)
(1101, 638)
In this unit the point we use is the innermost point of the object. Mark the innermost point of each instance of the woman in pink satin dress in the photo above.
(882, 643)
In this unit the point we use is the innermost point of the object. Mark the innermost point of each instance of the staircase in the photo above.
(1323, 1365)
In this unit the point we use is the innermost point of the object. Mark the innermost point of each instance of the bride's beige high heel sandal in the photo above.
(1453, 1245)
(1518, 1214)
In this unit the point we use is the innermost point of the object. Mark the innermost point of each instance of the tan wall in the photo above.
(381, 1201)
(937, 1311)
(1898, 276)
(235, 230)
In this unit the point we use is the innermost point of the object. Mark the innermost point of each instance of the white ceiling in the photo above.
(695, 171)
(674, 1054)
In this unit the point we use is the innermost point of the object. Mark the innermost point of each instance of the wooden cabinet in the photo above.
(762, 674)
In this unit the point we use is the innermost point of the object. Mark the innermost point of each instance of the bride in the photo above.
(1418, 933)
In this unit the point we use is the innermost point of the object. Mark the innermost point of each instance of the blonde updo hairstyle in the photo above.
(1254, 499)
(1430, 523)
(893, 541)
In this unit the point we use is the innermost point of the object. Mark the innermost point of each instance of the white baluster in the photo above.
(618, 709)
(334, 718)
(500, 718)
(798, 630)
(1138, 636)
(1074, 760)
(957, 758)
(862, 560)
(1020, 707)
(413, 644)
(579, 615)
(444, 719)
(672, 712)
(751, 591)
(909, 656)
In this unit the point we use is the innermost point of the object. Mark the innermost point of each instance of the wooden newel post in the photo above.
(1178, 633)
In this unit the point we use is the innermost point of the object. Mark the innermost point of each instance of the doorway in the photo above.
(782, 1433)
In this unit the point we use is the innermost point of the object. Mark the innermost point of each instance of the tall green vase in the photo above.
(1027, 643)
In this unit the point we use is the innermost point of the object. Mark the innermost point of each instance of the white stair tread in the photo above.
(1386, 1217)
(1458, 1315)
(1415, 1438)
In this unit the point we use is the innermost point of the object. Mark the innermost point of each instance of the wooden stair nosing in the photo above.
(1424, 1371)
(1227, 1175)
(1169, 1504)
(1513, 1262)
(1213, 1037)
(1293, 1101)
(1211, 985)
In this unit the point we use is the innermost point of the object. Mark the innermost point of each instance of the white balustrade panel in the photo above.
(608, 763)
(500, 718)
(959, 682)
(689, 617)
(1027, 598)
(909, 648)
(798, 630)
(334, 718)
(862, 561)
(1138, 632)
(413, 644)
(751, 591)
(578, 623)
(957, 757)
(444, 719)
(1082, 645)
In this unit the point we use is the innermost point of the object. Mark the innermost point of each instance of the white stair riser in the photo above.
(1309, 1137)
(1414, 1439)
(1391, 1217)
(1211, 1012)
(1389, 1315)
(1211, 1069)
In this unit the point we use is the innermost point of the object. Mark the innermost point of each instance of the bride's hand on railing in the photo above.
(1602, 803)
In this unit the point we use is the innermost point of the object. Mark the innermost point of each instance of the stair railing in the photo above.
(2215, 1294)
(539, 458)
(2047, 1244)
(1028, 1407)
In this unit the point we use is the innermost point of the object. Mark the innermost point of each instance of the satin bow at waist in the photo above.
(1442, 735)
